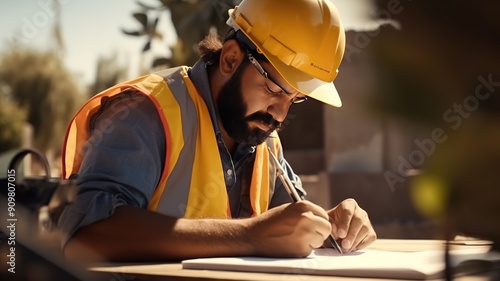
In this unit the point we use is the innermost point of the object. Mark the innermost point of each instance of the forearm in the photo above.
(137, 234)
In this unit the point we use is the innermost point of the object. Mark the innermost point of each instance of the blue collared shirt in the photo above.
(123, 161)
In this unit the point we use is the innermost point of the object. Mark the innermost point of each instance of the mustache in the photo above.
(265, 118)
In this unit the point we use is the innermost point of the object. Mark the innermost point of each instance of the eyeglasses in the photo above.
(262, 72)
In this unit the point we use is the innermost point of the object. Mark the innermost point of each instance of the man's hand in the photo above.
(290, 230)
(351, 225)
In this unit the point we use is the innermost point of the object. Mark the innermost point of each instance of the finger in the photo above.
(370, 238)
(365, 229)
(306, 207)
(361, 236)
(355, 227)
(321, 226)
(315, 209)
(317, 218)
(343, 215)
(321, 229)
(317, 240)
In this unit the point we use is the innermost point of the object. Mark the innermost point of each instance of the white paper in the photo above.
(367, 263)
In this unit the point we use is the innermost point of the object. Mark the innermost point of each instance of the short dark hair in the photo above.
(210, 49)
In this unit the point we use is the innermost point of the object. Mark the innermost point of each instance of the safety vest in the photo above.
(192, 182)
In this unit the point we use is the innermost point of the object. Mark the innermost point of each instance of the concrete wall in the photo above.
(359, 145)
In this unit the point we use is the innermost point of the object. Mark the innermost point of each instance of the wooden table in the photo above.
(174, 271)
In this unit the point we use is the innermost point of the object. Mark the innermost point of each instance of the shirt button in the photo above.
(229, 172)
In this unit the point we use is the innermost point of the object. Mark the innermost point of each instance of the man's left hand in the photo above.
(351, 226)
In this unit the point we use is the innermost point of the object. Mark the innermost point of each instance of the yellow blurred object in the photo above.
(303, 39)
(429, 195)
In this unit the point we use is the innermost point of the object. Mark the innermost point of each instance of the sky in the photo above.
(92, 28)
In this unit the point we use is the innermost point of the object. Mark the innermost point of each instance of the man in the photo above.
(176, 164)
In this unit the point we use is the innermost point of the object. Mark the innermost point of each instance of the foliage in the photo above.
(40, 85)
(192, 20)
(108, 73)
(11, 121)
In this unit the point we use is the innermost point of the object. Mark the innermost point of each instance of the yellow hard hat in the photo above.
(303, 39)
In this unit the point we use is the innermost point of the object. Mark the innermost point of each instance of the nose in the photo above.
(279, 109)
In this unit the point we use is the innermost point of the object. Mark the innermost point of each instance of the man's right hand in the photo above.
(289, 230)
(134, 234)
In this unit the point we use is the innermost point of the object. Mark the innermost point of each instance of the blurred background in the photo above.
(416, 142)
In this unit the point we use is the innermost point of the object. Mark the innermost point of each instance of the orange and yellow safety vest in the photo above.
(192, 182)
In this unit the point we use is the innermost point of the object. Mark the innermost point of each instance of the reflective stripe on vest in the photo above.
(192, 183)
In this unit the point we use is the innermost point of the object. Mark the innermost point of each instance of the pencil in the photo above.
(296, 197)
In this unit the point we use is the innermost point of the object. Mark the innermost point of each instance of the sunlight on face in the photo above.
(251, 129)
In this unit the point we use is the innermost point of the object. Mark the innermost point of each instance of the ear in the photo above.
(230, 58)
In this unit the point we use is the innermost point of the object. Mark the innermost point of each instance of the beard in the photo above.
(232, 110)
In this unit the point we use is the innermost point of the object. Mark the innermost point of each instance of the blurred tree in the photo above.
(192, 20)
(40, 85)
(108, 73)
(12, 120)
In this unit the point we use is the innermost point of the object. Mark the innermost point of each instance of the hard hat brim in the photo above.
(328, 94)
(308, 85)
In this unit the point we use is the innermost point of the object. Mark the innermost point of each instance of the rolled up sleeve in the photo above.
(122, 163)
